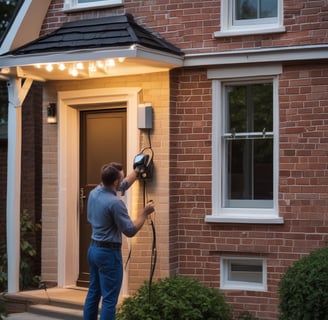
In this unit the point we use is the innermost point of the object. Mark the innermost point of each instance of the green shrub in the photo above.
(304, 288)
(29, 229)
(246, 316)
(175, 298)
(27, 277)
(3, 309)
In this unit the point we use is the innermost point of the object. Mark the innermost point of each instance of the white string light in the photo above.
(49, 67)
(73, 71)
(75, 68)
(61, 66)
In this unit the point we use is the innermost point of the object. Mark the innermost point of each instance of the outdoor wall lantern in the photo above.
(52, 113)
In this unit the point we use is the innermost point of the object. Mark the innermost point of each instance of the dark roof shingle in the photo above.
(114, 31)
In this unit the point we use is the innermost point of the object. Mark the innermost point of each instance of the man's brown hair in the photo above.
(110, 172)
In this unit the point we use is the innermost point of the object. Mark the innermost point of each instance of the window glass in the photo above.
(87, 4)
(268, 8)
(255, 9)
(248, 146)
(250, 107)
(247, 271)
(243, 273)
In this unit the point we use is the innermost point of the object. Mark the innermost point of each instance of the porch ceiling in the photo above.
(100, 47)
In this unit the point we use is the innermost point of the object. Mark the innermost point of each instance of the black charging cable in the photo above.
(154, 246)
(151, 222)
(153, 259)
(149, 140)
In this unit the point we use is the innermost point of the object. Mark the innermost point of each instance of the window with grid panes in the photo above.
(245, 144)
(250, 17)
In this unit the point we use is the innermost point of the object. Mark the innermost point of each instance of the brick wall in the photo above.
(303, 181)
(190, 24)
(31, 166)
(155, 89)
(3, 188)
(49, 250)
(32, 152)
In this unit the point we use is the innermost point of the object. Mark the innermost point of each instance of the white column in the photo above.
(13, 186)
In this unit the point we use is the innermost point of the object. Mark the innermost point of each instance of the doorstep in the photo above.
(52, 302)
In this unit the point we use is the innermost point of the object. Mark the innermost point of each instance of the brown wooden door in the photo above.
(103, 140)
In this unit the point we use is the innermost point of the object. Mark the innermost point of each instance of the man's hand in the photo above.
(149, 208)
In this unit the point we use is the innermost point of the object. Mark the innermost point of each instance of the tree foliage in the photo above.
(7, 8)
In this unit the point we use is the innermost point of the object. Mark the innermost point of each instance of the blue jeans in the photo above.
(106, 274)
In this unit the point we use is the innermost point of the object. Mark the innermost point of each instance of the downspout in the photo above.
(16, 95)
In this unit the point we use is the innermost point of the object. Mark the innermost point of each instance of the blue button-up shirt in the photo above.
(108, 215)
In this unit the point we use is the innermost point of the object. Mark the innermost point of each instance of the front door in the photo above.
(103, 140)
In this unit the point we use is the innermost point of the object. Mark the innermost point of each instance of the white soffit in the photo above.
(137, 60)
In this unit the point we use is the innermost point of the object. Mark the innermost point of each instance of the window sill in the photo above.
(92, 6)
(250, 31)
(244, 286)
(224, 218)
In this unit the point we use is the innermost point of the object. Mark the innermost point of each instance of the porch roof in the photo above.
(95, 39)
(97, 33)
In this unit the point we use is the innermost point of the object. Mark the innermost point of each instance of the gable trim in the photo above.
(26, 25)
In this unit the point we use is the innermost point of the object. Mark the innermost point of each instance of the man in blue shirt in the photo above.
(109, 218)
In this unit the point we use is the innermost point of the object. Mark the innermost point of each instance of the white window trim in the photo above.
(241, 215)
(258, 27)
(73, 5)
(227, 284)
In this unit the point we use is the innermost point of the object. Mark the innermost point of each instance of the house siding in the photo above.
(154, 89)
(303, 183)
(49, 250)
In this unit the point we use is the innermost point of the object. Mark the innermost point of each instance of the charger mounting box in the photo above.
(145, 116)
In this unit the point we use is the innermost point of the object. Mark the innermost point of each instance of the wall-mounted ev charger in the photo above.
(145, 116)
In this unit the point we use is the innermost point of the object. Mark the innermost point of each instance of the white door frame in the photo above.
(68, 166)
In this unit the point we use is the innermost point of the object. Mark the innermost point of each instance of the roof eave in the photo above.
(139, 60)
(257, 55)
(135, 51)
